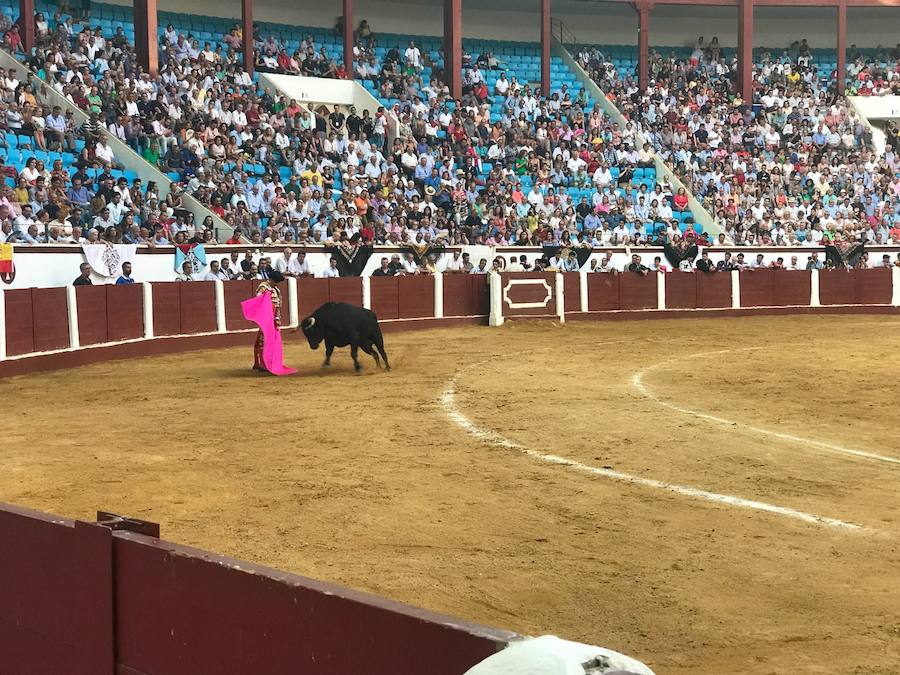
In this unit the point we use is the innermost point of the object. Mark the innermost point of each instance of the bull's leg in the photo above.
(329, 350)
(367, 348)
(379, 343)
(354, 354)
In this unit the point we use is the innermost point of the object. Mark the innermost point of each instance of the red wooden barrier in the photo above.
(758, 287)
(385, 296)
(873, 287)
(347, 290)
(235, 293)
(792, 288)
(312, 293)
(19, 323)
(198, 307)
(837, 287)
(56, 610)
(637, 291)
(466, 295)
(416, 297)
(124, 311)
(528, 293)
(50, 316)
(167, 308)
(92, 314)
(572, 291)
(713, 289)
(681, 290)
(603, 292)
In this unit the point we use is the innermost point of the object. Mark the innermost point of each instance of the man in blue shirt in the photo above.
(125, 277)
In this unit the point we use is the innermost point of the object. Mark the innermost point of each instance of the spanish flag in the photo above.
(6, 258)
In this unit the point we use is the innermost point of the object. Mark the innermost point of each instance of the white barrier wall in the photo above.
(46, 267)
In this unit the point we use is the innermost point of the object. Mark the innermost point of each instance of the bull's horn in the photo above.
(309, 322)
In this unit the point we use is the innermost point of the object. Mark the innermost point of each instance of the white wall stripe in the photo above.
(220, 306)
(72, 304)
(448, 402)
(2, 324)
(148, 310)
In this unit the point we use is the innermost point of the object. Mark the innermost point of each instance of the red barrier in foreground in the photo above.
(94, 599)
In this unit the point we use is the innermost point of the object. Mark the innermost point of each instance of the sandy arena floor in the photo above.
(517, 494)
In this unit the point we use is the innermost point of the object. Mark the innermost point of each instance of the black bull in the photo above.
(339, 325)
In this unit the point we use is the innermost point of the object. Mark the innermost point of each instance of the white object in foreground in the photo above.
(549, 655)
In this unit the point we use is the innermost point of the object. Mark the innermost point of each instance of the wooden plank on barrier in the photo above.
(50, 317)
(458, 296)
(348, 289)
(713, 289)
(214, 605)
(758, 288)
(167, 307)
(198, 307)
(638, 291)
(873, 287)
(57, 608)
(603, 291)
(528, 294)
(92, 314)
(385, 297)
(19, 322)
(791, 288)
(312, 293)
(681, 290)
(572, 291)
(479, 295)
(235, 293)
(124, 311)
(837, 287)
(416, 297)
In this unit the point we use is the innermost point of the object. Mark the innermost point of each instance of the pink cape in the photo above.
(259, 310)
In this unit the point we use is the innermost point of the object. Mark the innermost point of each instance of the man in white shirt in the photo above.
(455, 264)
(215, 272)
(299, 266)
(283, 264)
(104, 152)
(331, 271)
(413, 56)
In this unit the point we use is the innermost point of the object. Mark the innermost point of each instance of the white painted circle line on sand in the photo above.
(448, 402)
(637, 380)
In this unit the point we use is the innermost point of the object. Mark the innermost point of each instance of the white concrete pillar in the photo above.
(438, 295)
(293, 302)
(814, 300)
(367, 292)
(661, 290)
(495, 285)
(583, 288)
(220, 305)
(148, 309)
(735, 289)
(72, 303)
(2, 325)
(895, 286)
(560, 297)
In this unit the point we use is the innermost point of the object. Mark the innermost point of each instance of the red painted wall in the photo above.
(167, 308)
(873, 287)
(713, 290)
(416, 297)
(235, 293)
(792, 287)
(50, 318)
(637, 291)
(681, 290)
(572, 292)
(603, 292)
(92, 319)
(544, 285)
(124, 311)
(198, 306)
(385, 296)
(312, 294)
(347, 290)
(466, 295)
(19, 322)
(79, 598)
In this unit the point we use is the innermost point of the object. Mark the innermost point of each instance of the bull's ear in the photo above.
(308, 322)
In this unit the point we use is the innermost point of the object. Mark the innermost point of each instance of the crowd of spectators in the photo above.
(793, 166)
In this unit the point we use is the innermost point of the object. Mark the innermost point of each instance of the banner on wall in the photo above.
(106, 259)
(351, 261)
(192, 253)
